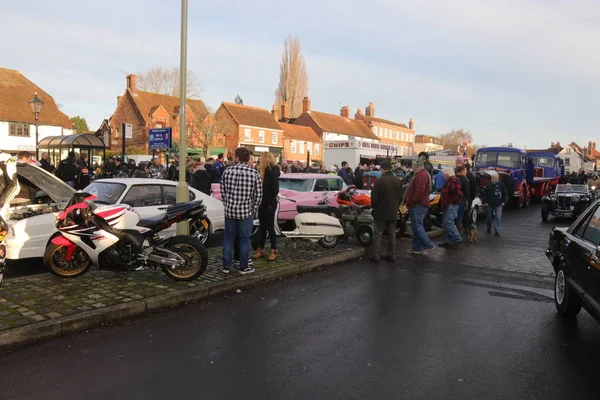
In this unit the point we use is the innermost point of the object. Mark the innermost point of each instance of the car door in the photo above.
(592, 237)
(580, 246)
(146, 199)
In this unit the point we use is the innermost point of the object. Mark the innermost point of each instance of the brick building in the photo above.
(391, 132)
(144, 111)
(427, 143)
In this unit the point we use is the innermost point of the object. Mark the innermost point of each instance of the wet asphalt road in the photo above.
(418, 330)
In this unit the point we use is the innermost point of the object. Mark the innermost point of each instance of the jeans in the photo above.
(266, 216)
(494, 215)
(237, 229)
(384, 228)
(420, 240)
(451, 234)
(461, 212)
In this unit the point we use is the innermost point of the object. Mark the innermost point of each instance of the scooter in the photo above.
(319, 227)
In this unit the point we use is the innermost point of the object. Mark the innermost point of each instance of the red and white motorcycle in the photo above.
(115, 238)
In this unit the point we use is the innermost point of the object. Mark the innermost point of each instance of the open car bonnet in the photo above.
(58, 191)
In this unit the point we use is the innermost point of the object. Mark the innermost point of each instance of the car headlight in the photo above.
(593, 187)
(554, 197)
(585, 199)
(575, 197)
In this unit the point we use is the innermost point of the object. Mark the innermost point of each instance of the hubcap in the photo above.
(365, 236)
(559, 287)
(329, 239)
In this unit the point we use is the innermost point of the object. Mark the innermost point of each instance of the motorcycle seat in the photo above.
(314, 209)
(176, 209)
(153, 222)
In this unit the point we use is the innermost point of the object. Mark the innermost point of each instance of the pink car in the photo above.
(301, 189)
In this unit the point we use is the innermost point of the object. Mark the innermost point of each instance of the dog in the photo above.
(472, 234)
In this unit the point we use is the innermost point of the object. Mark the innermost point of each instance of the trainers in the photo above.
(489, 230)
(247, 270)
(411, 251)
(427, 251)
(497, 234)
(225, 270)
(236, 263)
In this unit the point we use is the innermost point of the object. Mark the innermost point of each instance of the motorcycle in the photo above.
(116, 238)
(314, 223)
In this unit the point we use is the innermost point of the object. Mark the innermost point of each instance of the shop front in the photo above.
(258, 150)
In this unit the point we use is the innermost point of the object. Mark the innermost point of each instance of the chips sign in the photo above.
(159, 139)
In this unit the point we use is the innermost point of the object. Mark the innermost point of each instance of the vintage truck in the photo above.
(546, 165)
(517, 171)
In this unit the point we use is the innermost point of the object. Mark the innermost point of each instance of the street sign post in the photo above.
(160, 138)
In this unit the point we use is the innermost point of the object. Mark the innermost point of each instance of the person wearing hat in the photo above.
(386, 197)
(594, 182)
(417, 199)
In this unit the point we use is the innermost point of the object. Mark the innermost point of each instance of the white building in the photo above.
(575, 159)
(427, 143)
(17, 121)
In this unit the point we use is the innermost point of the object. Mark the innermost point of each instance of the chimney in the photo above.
(285, 112)
(411, 124)
(358, 114)
(594, 145)
(370, 110)
(345, 112)
(275, 113)
(119, 98)
(305, 104)
(132, 82)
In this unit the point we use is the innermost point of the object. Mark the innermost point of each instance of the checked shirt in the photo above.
(241, 191)
(452, 193)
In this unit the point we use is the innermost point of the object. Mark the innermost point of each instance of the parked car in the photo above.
(575, 256)
(31, 224)
(567, 201)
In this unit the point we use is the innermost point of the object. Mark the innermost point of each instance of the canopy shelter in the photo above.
(80, 141)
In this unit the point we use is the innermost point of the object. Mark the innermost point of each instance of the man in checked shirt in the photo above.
(241, 193)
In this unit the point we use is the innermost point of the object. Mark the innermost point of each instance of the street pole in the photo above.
(182, 188)
(37, 137)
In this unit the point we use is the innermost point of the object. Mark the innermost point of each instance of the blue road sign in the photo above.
(159, 139)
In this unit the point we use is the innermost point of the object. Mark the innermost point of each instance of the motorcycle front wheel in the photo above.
(193, 252)
(55, 260)
(329, 242)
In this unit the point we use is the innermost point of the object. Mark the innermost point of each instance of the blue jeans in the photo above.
(240, 229)
(494, 215)
(451, 234)
(461, 212)
(420, 240)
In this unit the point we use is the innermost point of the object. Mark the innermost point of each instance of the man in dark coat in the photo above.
(201, 179)
(67, 169)
(46, 164)
(84, 176)
(386, 197)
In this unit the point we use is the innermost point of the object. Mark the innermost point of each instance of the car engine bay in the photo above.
(22, 212)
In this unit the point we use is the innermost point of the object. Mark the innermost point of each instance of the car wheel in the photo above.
(545, 212)
(365, 236)
(198, 231)
(566, 300)
(474, 214)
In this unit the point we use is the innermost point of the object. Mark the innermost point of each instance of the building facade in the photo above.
(17, 121)
(301, 143)
(391, 132)
(427, 143)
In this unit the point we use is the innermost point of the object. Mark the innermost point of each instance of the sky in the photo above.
(519, 71)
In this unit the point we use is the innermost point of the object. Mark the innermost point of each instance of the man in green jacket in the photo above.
(386, 196)
(495, 196)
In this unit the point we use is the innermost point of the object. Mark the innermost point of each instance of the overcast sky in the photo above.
(521, 71)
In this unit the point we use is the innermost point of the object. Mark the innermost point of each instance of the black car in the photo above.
(575, 255)
(567, 201)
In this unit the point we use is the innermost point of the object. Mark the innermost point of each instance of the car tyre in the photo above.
(365, 236)
(566, 300)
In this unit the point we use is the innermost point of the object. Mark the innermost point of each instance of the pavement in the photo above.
(42, 305)
(353, 331)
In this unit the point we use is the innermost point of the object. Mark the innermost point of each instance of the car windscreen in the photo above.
(545, 162)
(508, 159)
(299, 185)
(568, 188)
(106, 192)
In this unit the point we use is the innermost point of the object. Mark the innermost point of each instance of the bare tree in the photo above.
(293, 79)
(166, 81)
(206, 131)
(458, 138)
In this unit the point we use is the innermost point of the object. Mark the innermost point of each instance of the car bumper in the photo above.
(566, 214)
(549, 254)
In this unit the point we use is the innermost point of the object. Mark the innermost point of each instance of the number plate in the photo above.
(204, 223)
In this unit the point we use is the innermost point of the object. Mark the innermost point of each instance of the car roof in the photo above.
(503, 149)
(138, 181)
(309, 176)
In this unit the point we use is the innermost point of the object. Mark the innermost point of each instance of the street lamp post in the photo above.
(182, 188)
(36, 107)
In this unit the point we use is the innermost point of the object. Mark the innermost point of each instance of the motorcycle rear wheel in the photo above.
(54, 259)
(329, 242)
(193, 252)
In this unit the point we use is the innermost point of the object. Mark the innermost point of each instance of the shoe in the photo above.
(225, 270)
(489, 230)
(389, 258)
(258, 254)
(497, 234)
(247, 270)
(375, 259)
(411, 251)
(427, 251)
(236, 263)
(445, 244)
(272, 256)
(457, 244)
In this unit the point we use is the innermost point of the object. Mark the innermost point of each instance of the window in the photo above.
(410, 151)
(374, 129)
(293, 146)
(117, 132)
(386, 133)
(592, 231)
(143, 196)
(18, 129)
(309, 147)
(301, 147)
(568, 150)
(261, 136)
(380, 132)
(247, 135)
(403, 136)
(567, 161)
(274, 138)
(397, 135)
(316, 149)
(106, 193)
(170, 193)
(321, 185)
(336, 184)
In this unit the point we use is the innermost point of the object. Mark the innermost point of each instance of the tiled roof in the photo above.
(251, 116)
(147, 103)
(383, 121)
(15, 93)
(298, 132)
(576, 147)
(553, 150)
(341, 125)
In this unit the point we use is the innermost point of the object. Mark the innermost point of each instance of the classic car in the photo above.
(575, 256)
(31, 224)
(566, 201)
